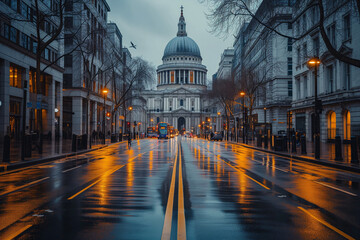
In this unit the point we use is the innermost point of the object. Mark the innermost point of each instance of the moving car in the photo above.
(217, 137)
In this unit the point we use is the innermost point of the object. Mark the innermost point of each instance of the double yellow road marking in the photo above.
(181, 228)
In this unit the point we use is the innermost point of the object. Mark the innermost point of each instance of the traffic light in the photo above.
(128, 124)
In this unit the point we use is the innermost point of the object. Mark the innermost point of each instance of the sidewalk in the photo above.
(51, 151)
(327, 154)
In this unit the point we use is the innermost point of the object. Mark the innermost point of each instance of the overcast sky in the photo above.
(151, 24)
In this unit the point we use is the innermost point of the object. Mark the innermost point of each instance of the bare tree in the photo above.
(139, 72)
(225, 91)
(224, 13)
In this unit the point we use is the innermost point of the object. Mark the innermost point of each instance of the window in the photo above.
(305, 87)
(68, 61)
(289, 25)
(304, 22)
(289, 44)
(15, 76)
(68, 5)
(316, 46)
(34, 46)
(47, 54)
(14, 4)
(181, 102)
(330, 31)
(330, 78)
(347, 29)
(25, 11)
(14, 35)
(331, 125)
(298, 88)
(6, 32)
(346, 70)
(289, 70)
(24, 41)
(68, 39)
(298, 56)
(68, 22)
(347, 125)
(305, 55)
(67, 80)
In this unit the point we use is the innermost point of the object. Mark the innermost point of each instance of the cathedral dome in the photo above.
(182, 45)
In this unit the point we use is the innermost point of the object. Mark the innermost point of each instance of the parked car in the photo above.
(216, 137)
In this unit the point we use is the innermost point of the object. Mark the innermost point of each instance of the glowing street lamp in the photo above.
(314, 63)
(105, 92)
(242, 94)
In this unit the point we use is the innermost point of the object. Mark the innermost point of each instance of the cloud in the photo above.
(151, 24)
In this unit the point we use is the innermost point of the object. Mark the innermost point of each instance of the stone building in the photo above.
(181, 85)
(86, 69)
(18, 46)
(338, 82)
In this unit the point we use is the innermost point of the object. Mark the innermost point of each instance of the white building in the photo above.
(338, 82)
(225, 64)
(18, 46)
(264, 68)
(179, 98)
(86, 69)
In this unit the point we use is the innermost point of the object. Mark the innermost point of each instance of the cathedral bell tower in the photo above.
(181, 25)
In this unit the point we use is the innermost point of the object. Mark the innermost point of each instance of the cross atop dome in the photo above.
(181, 25)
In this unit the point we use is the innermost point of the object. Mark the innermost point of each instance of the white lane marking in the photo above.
(23, 186)
(341, 190)
(70, 169)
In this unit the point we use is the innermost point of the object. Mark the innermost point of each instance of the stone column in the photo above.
(50, 115)
(5, 102)
(77, 116)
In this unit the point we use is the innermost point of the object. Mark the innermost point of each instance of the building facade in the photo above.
(263, 65)
(338, 82)
(23, 99)
(88, 69)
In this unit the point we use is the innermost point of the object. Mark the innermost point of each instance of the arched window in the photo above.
(181, 102)
(331, 125)
(347, 125)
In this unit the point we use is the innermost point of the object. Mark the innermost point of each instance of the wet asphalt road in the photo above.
(179, 189)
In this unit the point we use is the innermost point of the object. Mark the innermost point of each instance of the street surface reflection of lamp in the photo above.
(314, 63)
(105, 92)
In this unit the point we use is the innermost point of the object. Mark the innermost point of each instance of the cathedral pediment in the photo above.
(181, 111)
(181, 91)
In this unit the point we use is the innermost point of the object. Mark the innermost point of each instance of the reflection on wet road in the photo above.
(179, 189)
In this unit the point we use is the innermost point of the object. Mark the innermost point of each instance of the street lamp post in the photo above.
(218, 122)
(130, 109)
(315, 62)
(242, 94)
(105, 91)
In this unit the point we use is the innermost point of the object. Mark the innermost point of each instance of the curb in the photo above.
(28, 163)
(311, 160)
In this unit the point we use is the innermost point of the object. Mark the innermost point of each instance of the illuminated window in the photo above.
(347, 125)
(331, 125)
(15, 76)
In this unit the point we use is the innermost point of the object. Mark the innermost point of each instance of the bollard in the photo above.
(84, 141)
(338, 153)
(6, 153)
(28, 146)
(73, 143)
(293, 144)
(285, 145)
(303, 144)
(258, 140)
(266, 141)
(120, 137)
(354, 150)
(272, 142)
